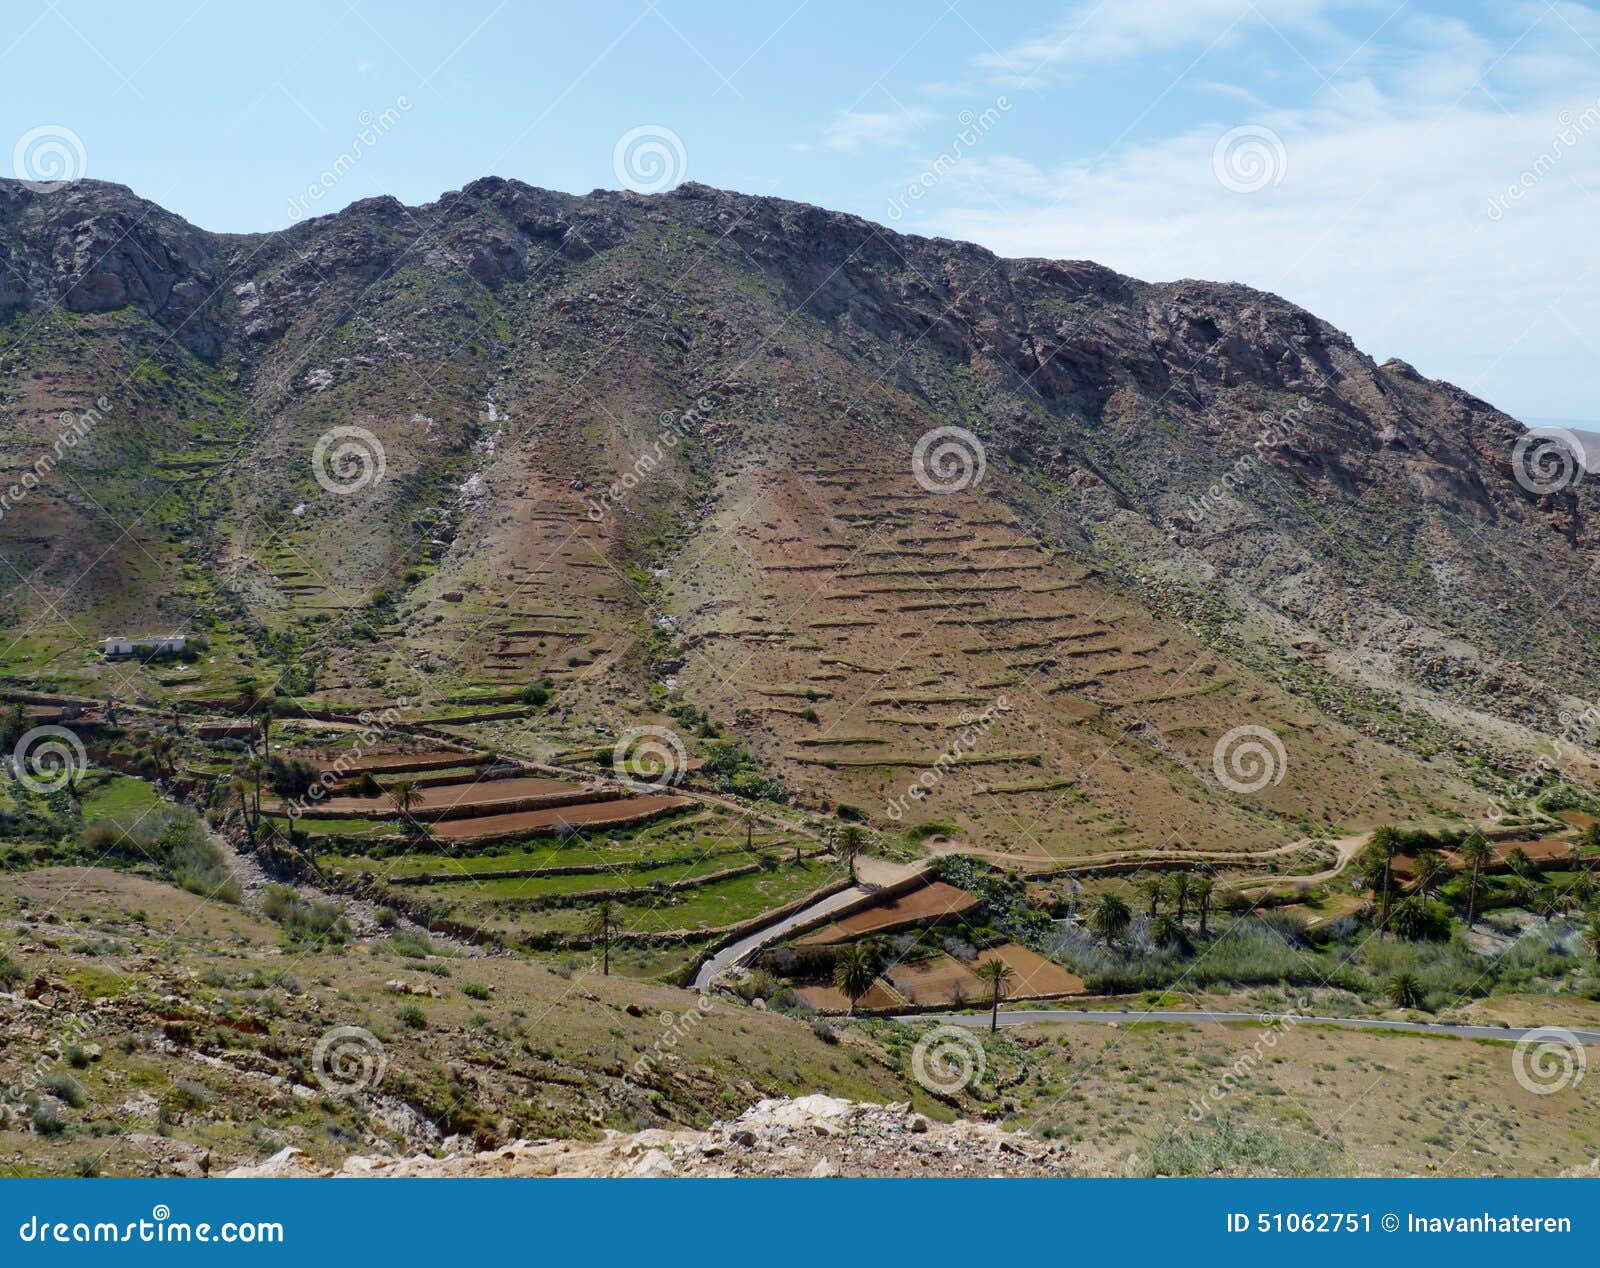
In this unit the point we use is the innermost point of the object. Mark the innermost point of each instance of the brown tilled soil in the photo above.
(591, 814)
(486, 792)
(928, 903)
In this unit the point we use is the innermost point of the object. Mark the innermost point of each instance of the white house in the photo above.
(153, 645)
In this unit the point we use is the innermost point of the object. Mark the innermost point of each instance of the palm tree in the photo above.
(602, 921)
(1165, 931)
(257, 770)
(240, 789)
(855, 971)
(1385, 844)
(405, 795)
(1518, 861)
(996, 973)
(1411, 918)
(166, 754)
(1475, 852)
(1109, 917)
(1203, 886)
(1403, 990)
(1152, 890)
(1591, 937)
(851, 839)
(1432, 868)
(1179, 885)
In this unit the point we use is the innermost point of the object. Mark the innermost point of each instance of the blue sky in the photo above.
(1423, 175)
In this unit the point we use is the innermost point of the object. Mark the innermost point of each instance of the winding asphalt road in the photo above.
(732, 954)
(1037, 1016)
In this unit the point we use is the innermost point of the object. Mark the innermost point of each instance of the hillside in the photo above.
(663, 452)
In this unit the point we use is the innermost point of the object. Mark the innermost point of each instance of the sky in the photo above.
(1423, 175)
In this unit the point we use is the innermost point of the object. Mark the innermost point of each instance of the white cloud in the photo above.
(1126, 30)
(1394, 217)
(858, 129)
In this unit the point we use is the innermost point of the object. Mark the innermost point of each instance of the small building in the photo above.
(154, 645)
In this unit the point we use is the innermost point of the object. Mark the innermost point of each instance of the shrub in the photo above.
(64, 1087)
(475, 990)
(304, 919)
(411, 944)
(177, 840)
(412, 1017)
(290, 777)
(47, 1121)
(1231, 1145)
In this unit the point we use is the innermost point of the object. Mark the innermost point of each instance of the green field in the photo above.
(118, 796)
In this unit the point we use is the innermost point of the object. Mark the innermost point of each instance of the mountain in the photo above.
(673, 454)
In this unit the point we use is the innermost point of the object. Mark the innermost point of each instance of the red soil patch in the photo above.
(1032, 975)
(935, 901)
(392, 763)
(940, 980)
(946, 980)
(1544, 850)
(488, 792)
(591, 814)
(830, 999)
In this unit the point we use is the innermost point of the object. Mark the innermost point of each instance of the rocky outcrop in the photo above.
(807, 1136)
(94, 248)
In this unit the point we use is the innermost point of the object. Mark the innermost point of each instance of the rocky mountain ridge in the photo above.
(1355, 532)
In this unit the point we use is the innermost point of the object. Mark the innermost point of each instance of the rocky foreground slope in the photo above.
(814, 1136)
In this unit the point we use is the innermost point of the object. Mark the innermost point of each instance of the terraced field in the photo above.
(928, 659)
(685, 875)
